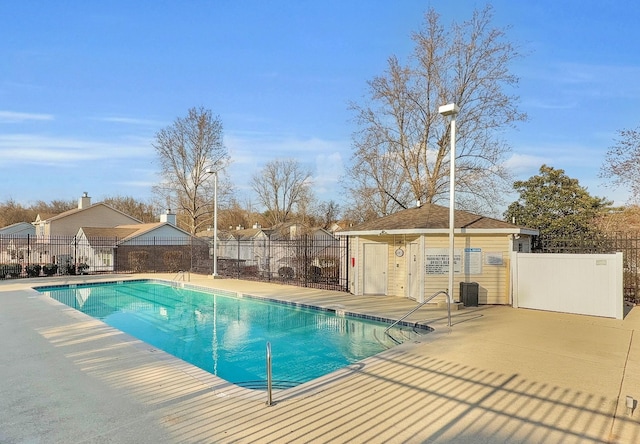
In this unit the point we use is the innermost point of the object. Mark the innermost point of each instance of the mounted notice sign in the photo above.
(473, 260)
(437, 261)
(493, 258)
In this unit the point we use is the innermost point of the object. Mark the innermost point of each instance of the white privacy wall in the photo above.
(589, 284)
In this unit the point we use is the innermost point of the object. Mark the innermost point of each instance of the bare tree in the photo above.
(185, 150)
(622, 163)
(237, 214)
(142, 211)
(401, 149)
(56, 206)
(12, 212)
(282, 187)
(328, 213)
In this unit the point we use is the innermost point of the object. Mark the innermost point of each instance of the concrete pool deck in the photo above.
(498, 375)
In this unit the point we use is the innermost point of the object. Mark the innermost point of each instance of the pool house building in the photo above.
(406, 254)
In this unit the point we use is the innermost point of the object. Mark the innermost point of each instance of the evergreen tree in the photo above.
(555, 204)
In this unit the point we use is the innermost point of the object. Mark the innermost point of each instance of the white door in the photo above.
(375, 268)
(413, 273)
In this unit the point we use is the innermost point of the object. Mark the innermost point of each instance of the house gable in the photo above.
(18, 229)
(99, 215)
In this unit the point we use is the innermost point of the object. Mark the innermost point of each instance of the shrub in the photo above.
(138, 261)
(14, 270)
(33, 270)
(250, 270)
(49, 269)
(10, 270)
(314, 274)
(66, 268)
(172, 260)
(286, 272)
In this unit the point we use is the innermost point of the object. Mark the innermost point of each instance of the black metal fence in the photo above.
(627, 243)
(304, 261)
(32, 256)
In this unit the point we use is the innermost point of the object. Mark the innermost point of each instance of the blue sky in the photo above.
(85, 86)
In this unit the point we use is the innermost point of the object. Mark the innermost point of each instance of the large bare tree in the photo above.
(401, 148)
(622, 163)
(142, 211)
(282, 187)
(186, 150)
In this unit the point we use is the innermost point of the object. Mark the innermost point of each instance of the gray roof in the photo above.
(435, 218)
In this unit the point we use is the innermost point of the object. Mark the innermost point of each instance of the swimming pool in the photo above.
(226, 335)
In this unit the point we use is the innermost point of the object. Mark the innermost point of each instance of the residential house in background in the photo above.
(99, 238)
(317, 257)
(287, 251)
(160, 246)
(16, 241)
(86, 215)
(243, 249)
(55, 241)
(20, 229)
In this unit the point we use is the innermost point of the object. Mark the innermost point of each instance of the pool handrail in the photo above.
(269, 375)
(413, 310)
(180, 274)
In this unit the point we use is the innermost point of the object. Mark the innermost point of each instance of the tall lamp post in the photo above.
(215, 220)
(452, 110)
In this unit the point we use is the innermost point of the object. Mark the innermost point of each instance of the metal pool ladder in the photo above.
(413, 310)
(179, 275)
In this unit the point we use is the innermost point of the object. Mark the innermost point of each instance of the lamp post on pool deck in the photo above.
(452, 110)
(215, 220)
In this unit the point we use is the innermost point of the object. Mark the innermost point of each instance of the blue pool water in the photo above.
(227, 335)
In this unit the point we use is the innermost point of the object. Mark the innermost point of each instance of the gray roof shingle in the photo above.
(431, 216)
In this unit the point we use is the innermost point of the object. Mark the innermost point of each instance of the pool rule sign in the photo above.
(437, 261)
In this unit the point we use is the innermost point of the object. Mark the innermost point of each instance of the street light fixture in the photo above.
(452, 110)
(215, 220)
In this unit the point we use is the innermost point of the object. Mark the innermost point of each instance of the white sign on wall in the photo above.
(437, 261)
(493, 258)
(473, 260)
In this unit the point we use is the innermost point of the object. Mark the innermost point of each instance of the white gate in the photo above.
(589, 284)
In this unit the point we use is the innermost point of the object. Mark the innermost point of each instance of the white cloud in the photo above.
(34, 149)
(519, 164)
(131, 121)
(17, 117)
(550, 104)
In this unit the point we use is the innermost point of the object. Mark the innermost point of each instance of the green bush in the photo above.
(50, 269)
(286, 272)
(10, 270)
(33, 270)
